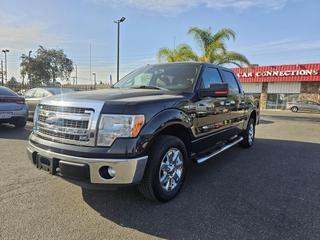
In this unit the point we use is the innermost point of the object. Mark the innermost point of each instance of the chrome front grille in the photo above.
(66, 124)
(64, 109)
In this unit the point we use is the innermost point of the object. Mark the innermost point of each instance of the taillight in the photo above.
(12, 100)
(20, 101)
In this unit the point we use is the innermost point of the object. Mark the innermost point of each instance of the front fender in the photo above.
(161, 121)
(136, 147)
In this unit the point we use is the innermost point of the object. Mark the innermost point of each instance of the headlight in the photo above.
(113, 126)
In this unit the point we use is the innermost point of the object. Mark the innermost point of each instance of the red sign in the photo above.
(280, 73)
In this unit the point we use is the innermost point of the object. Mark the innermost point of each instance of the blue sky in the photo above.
(268, 32)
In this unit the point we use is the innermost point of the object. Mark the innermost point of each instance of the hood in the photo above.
(120, 101)
(118, 95)
(148, 102)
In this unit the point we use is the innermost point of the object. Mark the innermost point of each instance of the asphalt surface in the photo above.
(271, 191)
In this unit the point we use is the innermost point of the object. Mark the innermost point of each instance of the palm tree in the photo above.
(213, 47)
(183, 52)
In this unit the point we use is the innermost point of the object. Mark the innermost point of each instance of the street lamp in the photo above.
(94, 79)
(118, 48)
(29, 66)
(5, 51)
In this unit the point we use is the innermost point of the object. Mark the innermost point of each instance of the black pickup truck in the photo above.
(145, 130)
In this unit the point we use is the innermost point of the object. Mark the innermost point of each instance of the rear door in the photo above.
(235, 102)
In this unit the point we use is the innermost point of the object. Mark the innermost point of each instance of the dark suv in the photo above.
(146, 129)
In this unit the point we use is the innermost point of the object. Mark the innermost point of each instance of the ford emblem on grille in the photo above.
(54, 120)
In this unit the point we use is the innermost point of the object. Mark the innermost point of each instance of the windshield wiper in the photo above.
(149, 87)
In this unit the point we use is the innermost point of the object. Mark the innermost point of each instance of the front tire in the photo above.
(166, 169)
(294, 109)
(249, 134)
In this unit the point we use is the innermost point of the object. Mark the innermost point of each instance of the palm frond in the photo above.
(214, 48)
(224, 34)
(183, 52)
(164, 53)
(233, 58)
(203, 37)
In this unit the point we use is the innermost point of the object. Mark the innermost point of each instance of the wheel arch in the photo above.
(179, 131)
(253, 115)
(172, 122)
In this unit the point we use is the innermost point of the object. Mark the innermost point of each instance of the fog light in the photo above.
(107, 172)
(111, 172)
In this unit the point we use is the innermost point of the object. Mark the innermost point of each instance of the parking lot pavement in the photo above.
(270, 191)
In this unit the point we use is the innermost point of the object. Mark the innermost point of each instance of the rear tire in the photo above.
(166, 169)
(294, 109)
(248, 135)
(21, 123)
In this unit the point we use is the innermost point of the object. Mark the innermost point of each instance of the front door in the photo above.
(210, 113)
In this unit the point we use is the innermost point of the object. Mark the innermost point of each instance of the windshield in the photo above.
(176, 77)
(56, 91)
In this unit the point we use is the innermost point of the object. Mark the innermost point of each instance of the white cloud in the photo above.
(282, 46)
(177, 6)
(19, 34)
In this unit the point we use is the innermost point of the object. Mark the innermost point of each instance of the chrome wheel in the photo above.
(251, 134)
(171, 169)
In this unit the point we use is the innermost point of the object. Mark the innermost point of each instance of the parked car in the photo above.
(303, 106)
(34, 95)
(146, 129)
(13, 109)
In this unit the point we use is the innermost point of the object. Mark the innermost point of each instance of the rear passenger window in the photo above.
(232, 82)
(210, 76)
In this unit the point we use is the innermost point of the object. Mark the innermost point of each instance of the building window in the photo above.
(280, 100)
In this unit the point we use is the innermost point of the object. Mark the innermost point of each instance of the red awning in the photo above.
(280, 73)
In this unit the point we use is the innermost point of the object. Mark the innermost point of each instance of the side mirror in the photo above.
(215, 90)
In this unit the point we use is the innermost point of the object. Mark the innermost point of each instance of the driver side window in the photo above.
(210, 76)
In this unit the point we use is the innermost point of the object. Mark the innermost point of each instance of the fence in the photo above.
(20, 88)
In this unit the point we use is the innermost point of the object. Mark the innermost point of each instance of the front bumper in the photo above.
(84, 169)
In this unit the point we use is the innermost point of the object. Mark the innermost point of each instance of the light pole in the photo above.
(118, 48)
(94, 79)
(76, 74)
(29, 66)
(5, 51)
(1, 72)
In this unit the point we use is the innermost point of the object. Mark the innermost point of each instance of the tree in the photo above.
(46, 67)
(182, 53)
(13, 83)
(213, 47)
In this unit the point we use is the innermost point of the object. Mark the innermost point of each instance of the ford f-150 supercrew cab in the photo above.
(145, 130)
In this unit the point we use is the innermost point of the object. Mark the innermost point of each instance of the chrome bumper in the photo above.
(128, 171)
